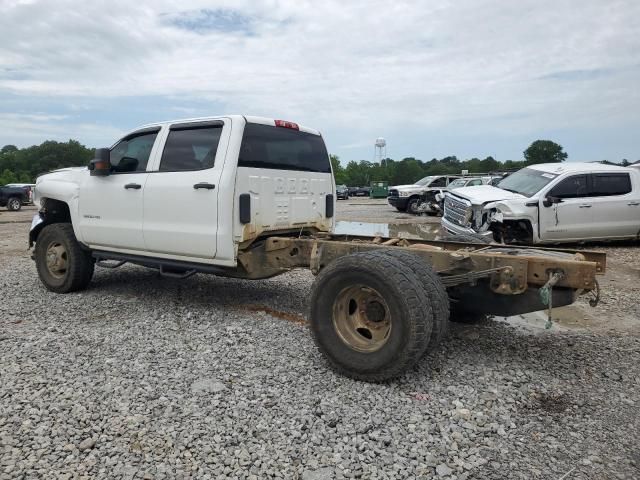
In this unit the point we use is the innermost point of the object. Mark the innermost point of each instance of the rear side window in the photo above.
(190, 148)
(131, 154)
(572, 187)
(607, 184)
(264, 146)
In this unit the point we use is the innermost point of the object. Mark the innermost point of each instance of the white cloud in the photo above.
(372, 67)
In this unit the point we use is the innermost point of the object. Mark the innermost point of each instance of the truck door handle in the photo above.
(135, 186)
(631, 204)
(585, 205)
(208, 186)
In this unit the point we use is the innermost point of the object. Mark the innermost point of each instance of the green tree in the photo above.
(338, 170)
(544, 151)
(7, 176)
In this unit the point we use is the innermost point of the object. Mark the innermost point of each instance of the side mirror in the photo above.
(100, 166)
(550, 200)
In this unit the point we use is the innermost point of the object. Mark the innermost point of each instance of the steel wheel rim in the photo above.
(13, 204)
(57, 259)
(361, 318)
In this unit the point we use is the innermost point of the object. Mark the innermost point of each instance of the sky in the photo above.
(470, 78)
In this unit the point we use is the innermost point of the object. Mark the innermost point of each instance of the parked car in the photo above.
(359, 191)
(342, 192)
(405, 198)
(550, 203)
(13, 197)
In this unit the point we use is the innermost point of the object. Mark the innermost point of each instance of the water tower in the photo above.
(380, 150)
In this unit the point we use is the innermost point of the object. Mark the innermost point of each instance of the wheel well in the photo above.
(513, 231)
(51, 211)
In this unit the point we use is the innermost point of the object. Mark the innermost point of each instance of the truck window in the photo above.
(190, 148)
(572, 187)
(264, 146)
(131, 154)
(439, 182)
(608, 184)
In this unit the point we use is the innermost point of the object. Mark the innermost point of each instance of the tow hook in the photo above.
(546, 294)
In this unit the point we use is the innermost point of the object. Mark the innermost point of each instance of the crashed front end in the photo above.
(461, 217)
(507, 221)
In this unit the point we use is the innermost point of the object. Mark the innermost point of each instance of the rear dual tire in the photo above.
(373, 316)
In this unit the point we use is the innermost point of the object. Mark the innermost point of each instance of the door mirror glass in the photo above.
(100, 166)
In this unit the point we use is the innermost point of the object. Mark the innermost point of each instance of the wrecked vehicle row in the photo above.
(550, 203)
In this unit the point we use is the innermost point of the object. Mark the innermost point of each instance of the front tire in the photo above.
(14, 204)
(63, 266)
(412, 206)
(370, 316)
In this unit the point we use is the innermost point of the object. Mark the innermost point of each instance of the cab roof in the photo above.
(247, 118)
(568, 167)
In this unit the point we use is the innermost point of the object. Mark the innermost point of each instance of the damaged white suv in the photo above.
(550, 203)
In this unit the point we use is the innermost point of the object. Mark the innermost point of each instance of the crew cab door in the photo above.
(616, 208)
(110, 207)
(181, 208)
(571, 217)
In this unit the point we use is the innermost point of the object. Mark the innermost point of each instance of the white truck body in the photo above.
(550, 203)
(160, 212)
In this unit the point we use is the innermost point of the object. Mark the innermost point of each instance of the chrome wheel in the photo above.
(57, 259)
(14, 204)
(361, 318)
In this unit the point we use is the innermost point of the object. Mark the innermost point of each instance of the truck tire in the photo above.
(467, 238)
(436, 292)
(63, 266)
(370, 316)
(412, 205)
(14, 204)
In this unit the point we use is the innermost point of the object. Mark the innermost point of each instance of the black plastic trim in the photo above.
(194, 125)
(329, 203)
(244, 202)
(153, 262)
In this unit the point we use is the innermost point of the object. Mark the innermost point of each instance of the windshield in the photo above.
(526, 182)
(461, 182)
(425, 180)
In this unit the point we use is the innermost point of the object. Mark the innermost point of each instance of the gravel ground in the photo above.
(146, 377)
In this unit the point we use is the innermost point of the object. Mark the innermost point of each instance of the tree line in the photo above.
(410, 169)
(23, 165)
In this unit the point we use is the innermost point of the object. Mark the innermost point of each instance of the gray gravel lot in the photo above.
(147, 377)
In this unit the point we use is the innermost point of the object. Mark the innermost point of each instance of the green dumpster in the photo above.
(379, 189)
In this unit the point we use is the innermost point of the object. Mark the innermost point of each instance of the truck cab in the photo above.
(195, 190)
(550, 203)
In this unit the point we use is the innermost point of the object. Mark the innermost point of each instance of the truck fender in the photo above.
(51, 211)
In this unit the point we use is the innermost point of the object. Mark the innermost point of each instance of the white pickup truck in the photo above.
(406, 198)
(252, 198)
(550, 203)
